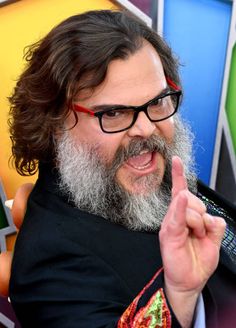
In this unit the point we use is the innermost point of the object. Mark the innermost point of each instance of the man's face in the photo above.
(132, 81)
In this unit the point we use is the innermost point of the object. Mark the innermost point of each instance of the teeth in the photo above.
(144, 152)
(142, 167)
(141, 161)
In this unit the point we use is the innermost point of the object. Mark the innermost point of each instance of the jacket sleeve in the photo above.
(150, 308)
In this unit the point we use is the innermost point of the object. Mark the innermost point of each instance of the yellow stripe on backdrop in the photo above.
(23, 23)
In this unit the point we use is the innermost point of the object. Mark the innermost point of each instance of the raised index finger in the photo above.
(179, 181)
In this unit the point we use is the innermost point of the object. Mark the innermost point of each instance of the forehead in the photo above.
(131, 81)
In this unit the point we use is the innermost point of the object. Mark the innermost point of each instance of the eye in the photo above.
(157, 102)
(112, 113)
(115, 114)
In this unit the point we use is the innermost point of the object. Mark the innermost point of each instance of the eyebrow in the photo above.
(107, 107)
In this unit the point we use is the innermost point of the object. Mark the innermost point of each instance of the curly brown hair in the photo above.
(73, 56)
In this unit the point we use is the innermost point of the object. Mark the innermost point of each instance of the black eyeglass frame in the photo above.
(138, 109)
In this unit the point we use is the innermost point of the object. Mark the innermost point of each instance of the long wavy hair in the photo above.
(73, 56)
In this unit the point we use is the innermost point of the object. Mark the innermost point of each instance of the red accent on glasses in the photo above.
(172, 84)
(82, 109)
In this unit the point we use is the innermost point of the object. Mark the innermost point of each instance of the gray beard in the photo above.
(91, 185)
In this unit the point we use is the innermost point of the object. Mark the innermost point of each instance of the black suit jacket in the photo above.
(74, 269)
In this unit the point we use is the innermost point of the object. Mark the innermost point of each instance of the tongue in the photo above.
(140, 160)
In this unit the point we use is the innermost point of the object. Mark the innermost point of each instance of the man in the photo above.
(95, 110)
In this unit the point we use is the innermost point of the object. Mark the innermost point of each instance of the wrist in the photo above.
(183, 304)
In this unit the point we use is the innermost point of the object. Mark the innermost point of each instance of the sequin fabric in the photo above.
(155, 314)
(229, 239)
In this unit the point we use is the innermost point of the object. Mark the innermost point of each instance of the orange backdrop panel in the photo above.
(23, 23)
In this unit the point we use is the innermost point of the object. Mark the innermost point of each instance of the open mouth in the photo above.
(142, 172)
(142, 161)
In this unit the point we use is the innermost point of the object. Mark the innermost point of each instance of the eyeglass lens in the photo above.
(157, 110)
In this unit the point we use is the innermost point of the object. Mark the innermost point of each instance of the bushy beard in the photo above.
(91, 185)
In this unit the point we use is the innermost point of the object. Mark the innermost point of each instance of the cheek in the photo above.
(89, 133)
(85, 131)
(167, 129)
(107, 148)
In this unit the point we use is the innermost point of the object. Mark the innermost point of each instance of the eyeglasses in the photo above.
(120, 118)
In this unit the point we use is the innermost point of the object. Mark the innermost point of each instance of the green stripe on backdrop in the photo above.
(231, 98)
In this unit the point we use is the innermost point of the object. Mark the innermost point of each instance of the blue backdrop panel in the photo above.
(197, 31)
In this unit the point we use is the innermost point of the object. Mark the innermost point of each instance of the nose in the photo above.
(143, 127)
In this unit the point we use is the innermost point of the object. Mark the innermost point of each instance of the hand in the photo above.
(18, 211)
(190, 241)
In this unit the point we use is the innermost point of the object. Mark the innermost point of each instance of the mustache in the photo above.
(153, 144)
